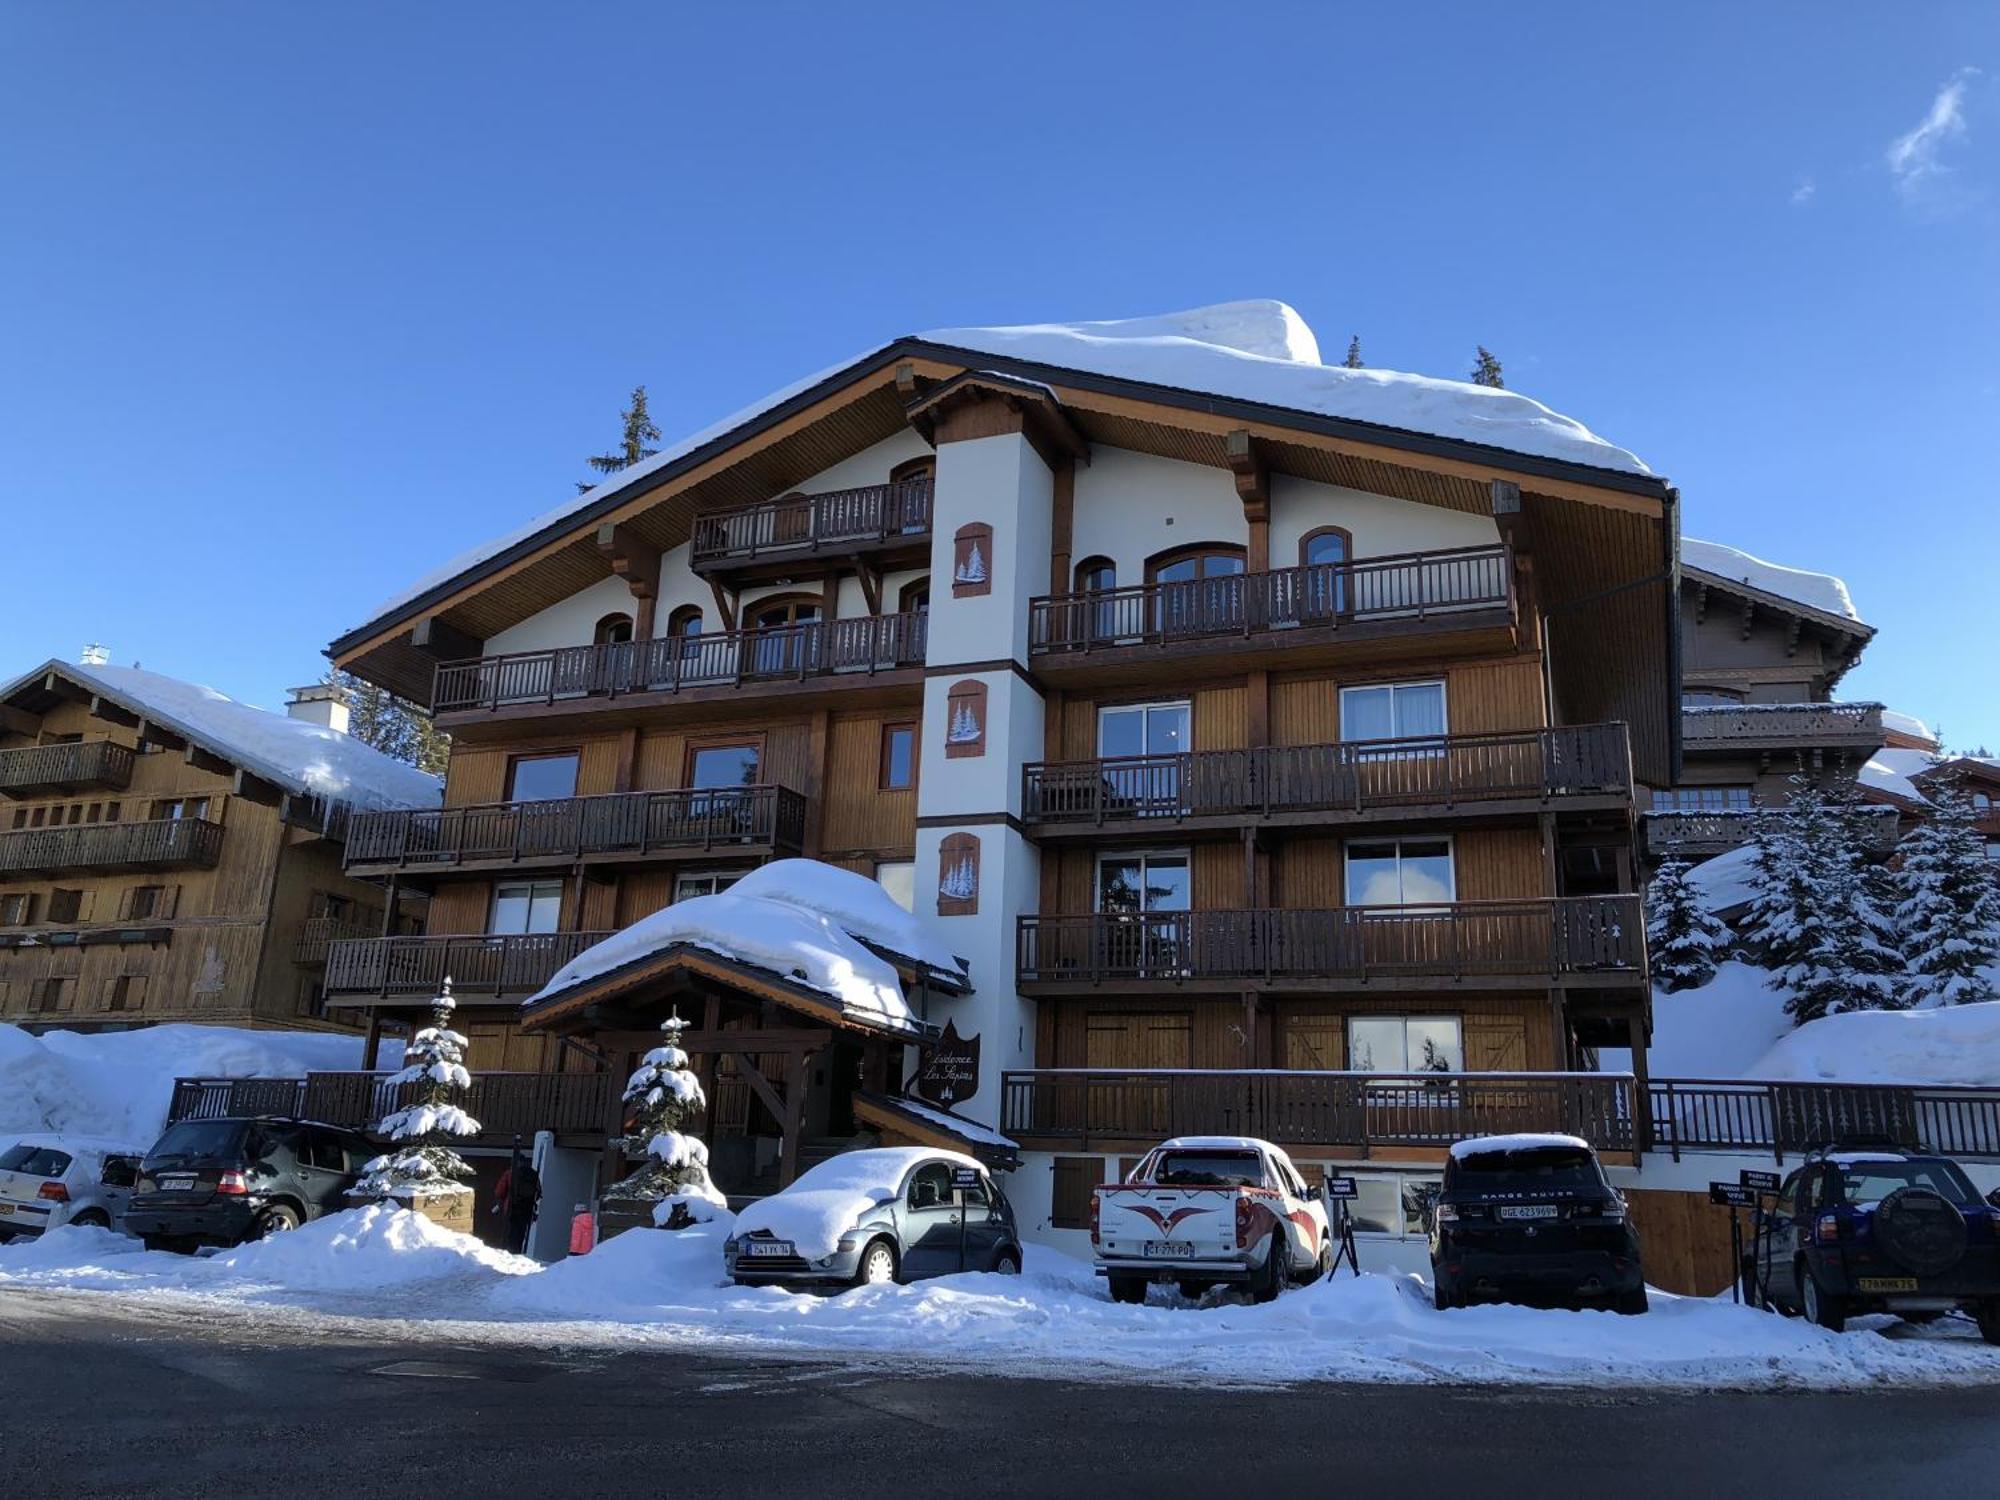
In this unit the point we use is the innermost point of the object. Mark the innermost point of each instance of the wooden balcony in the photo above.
(705, 668)
(505, 1104)
(167, 844)
(1698, 1115)
(1300, 615)
(87, 765)
(1578, 767)
(1493, 944)
(620, 827)
(1729, 728)
(1703, 835)
(319, 933)
(1348, 1114)
(886, 524)
(368, 971)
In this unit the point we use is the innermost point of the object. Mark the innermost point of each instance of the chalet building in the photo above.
(167, 854)
(1763, 648)
(1261, 740)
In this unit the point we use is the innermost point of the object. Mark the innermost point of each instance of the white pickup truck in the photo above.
(1202, 1210)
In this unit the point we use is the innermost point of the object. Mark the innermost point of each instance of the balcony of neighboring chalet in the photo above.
(616, 828)
(1699, 834)
(1374, 783)
(883, 526)
(481, 967)
(99, 848)
(55, 770)
(1537, 944)
(317, 935)
(1848, 730)
(1458, 601)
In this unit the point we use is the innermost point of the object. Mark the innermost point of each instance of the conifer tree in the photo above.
(665, 1100)
(420, 1162)
(393, 725)
(637, 432)
(1353, 360)
(1486, 370)
(1949, 916)
(1684, 939)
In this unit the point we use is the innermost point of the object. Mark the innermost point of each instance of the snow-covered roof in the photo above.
(1908, 724)
(301, 757)
(829, 1199)
(1486, 1145)
(800, 919)
(944, 1119)
(1891, 770)
(1259, 351)
(1817, 591)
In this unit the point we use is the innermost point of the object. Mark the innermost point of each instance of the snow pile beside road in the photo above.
(367, 1249)
(1957, 1046)
(632, 1277)
(118, 1084)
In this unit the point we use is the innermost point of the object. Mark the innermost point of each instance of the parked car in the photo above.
(1857, 1231)
(889, 1214)
(48, 1180)
(1532, 1218)
(220, 1182)
(1205, 1211)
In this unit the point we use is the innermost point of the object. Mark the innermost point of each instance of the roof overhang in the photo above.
(1849, 636)
(893, 1117)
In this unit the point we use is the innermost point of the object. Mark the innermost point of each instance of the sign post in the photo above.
(962, 1178)
(1733, 1195)
(1757, 1183)
(1341, 1191)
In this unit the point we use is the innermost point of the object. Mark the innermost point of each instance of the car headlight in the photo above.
(847, 1243)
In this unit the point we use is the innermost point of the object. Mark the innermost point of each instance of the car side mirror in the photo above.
(1994, 1197)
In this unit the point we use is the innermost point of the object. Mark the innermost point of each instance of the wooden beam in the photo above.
(794, 1121)
(155, 734)
(443, 642)
(762, 1087)
(1749, 617)
(205, 760)
(725, 604)
(18, 720)
(871, 585)
(1700, 602)
(637, 561)
(254, 788)
(1245, 457)
(112, 712)
(1062, 527)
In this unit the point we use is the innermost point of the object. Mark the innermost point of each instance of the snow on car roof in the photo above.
(79, 1144)
(1485, 1145)
(1216, 1143)
(1866, 1158)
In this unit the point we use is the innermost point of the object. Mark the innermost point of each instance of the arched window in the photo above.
(1199, 589)
(785, 644)
(684, 627)
(915, 597)
(785, 609)
(613, 630)
(1096, 574)
(1191, 564)
(1325, 553)
(1096, 620)
(911, 484)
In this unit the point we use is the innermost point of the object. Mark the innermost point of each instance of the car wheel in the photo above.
(1127, 1288)
(97, 1218)
(1988, 1316)
(167, 1244)
(1632, 1303)
(273, 1218)
(1009, 1263)
(1323, 1267)
(1275, 1272)
(1821, 1307)
(877, 1266)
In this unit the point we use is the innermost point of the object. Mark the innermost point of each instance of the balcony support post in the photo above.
(1642, 1091)
(371, 1049)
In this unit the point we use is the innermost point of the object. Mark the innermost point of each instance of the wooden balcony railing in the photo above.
(1541, 765)
(318, 933)
(839, 520)
(1703, 835)
(574, 828)
(164, 844)
(507, 967)
(505, 1104)
(60, 768)
(1463, 940)
(1753, 726)
(1421, 589)
(1075, 1107)
(864, 644)
(1791, 1118)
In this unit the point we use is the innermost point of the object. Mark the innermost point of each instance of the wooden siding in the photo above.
(858, 817)
(1684, 1239)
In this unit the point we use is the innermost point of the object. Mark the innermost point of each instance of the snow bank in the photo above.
(1718, 1031)
(366, 1250)
(795, 917)
(1957, 1046)
(1725, 881)
(634, 1275)
(118, 1084)
(824, 1203)
(1820, 591)
(301, 757)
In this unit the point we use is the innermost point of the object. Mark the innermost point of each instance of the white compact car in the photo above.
(1201, 1211)
(48, 1180)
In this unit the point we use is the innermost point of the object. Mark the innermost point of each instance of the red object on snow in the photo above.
(582, 1232)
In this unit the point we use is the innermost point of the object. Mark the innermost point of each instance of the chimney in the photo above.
(319, 704)
(95, 655)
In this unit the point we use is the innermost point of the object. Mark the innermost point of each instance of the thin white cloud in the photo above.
(1803, 191)
(1914, 159)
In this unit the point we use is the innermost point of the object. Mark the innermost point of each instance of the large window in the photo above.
(1400, 872)
(1704, 799)
(1323, 588)
(1142, 729)
(1392, 711)
(785, 640)
(1405, 1044)
(526, 906)
(1201, 589)
(536, 778)
(712, 767)
(1131, 883)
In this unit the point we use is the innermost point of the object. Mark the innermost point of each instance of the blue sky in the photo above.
(298, 301)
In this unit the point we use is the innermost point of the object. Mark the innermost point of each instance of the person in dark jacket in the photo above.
(515, 1198)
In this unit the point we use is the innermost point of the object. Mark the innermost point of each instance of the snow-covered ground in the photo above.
(419, 1281)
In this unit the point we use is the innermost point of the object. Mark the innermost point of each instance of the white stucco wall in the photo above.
(1004, 483)
(568, 622)
(1381, 526)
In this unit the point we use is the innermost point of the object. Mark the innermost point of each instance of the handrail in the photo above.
(498, 966)
(160, 841)
(862, 644)
(1784, 1118)
(810, 523)
(79, 763)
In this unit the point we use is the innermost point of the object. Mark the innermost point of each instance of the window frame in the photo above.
(1454, 1019)
(532, 886)
(1145, 857)
(603, 633)
(697, 744)
(682, 877)
(1346, 545)
(1393, 686)
(885, 759)
(906, 596)
(515, 762)
(907, 865)
(1201, 552)
(1398, 840)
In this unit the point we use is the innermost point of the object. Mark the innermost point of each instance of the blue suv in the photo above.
(1877, 1230)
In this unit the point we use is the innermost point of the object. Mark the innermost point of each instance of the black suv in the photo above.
(220, 1182)
(1526, 1218)
(1877, 1230)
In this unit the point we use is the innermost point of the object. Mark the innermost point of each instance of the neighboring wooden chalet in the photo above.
(167, 854)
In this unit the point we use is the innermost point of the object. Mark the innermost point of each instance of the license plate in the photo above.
(1171, 1249)
(1529, 1211)
(5, 1209)
(1888, 1283)
(758, 1249)
(177, 1184)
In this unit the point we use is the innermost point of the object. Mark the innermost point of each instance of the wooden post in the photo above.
(1642, 1104)
(1062, 526)
(371, 1048)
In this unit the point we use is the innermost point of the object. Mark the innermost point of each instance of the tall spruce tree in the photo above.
(420, 1162)
(1353, 360)
(637, 432)
(1684, 939)
(665, 1099)
(1486, 369)
(393, 725)
(1949, 916)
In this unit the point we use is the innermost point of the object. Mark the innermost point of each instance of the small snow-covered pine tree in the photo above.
(666, 1099)
(420, 1162)
(1684, 939)
(1486, 370)
(1949, 915)
(1353, 360)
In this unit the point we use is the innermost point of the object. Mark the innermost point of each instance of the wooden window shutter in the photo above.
(1496, 1044)
(125, 903)
(1076, 1178)
(169, 898)
(965, 719)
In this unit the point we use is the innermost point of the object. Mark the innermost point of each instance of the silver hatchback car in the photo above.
(889, 1214)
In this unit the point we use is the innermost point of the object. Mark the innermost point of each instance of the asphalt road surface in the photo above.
(98, 1399)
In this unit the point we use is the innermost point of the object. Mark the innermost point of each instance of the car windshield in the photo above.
(34, 1161)
(1529, 1169)
(201, 1140)
(1872, 1181)
(1209, 1169)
